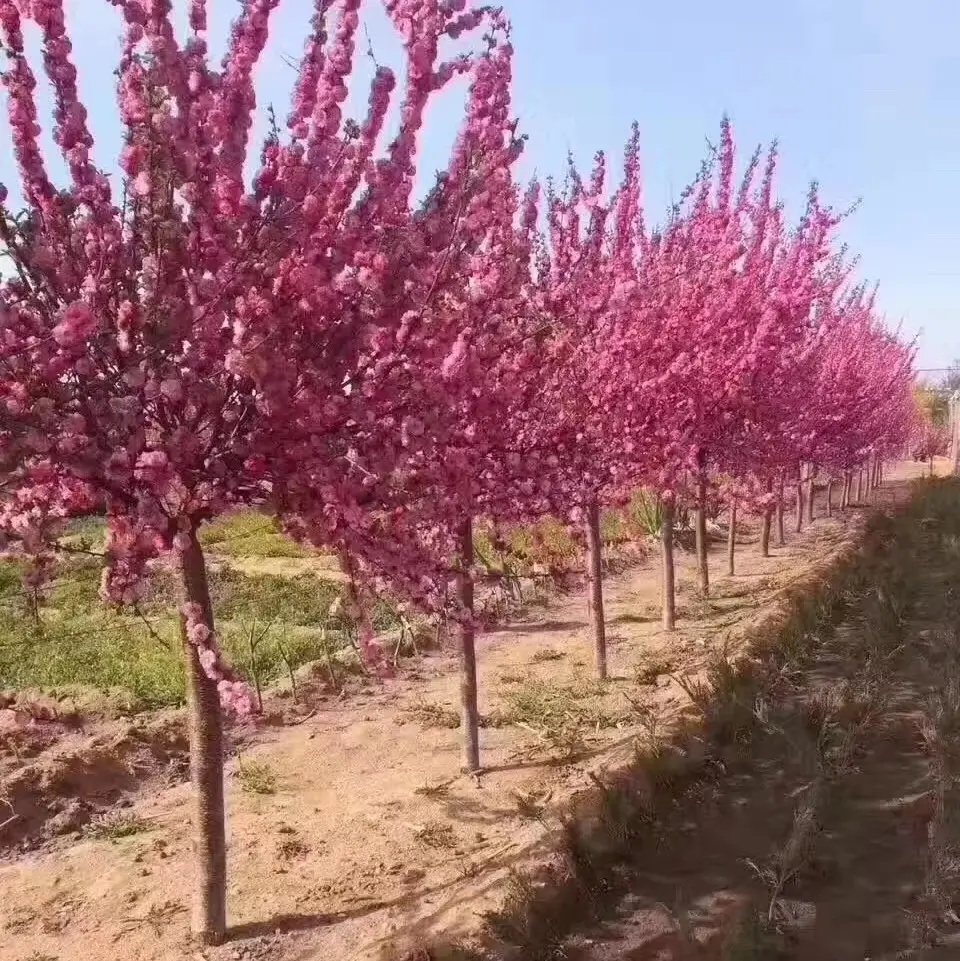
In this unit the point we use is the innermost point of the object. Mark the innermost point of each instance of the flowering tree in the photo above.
(560, 425)
(398, 344)
(860, 391)
(147, 328)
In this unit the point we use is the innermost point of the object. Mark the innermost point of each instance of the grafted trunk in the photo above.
(669, 571)
(595, 588)
(732, 539)
(469, 712)
(209, 909)
(781, 532)
(703, 572)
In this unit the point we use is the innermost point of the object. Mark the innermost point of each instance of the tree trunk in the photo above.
(811, 489)
(765, 534)
(703, 572)
(799, 511)
(470, 715)
(732, 539)
(829, 497)
(595, 583)
(669, 572)
(209, 910)
(860, 486)
(955, 433)
(781, 533)
(845, 495)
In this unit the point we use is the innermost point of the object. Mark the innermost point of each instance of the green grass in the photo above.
(250, 534)
(269, 624)
(77, 640)
(93, 530)
(247, 533)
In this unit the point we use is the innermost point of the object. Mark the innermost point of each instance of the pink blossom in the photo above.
(172, 389)
(77, 324)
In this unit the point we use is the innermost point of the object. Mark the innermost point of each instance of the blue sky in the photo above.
(863, 95)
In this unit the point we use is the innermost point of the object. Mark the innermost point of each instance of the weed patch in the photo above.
(560, 715)
(118, 826)
(430, 715)
(436, 834)
(256, 777)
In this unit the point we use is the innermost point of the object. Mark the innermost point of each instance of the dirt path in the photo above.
(350, 832)
(868, 743)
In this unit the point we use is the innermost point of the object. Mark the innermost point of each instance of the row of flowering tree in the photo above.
(384, 372)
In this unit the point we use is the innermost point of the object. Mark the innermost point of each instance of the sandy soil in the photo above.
(370, 839)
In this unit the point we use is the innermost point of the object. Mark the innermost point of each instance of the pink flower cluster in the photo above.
(235, 695)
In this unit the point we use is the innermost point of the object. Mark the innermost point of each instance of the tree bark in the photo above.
(209, 909)
(732, 539)
(860, 485)
(811, 473)
(703, 572)
(669, 572)
(799, 510)
(595, 587)
(845, 496)
(765, 534)
(955, 433)
(469, 713)
(781, 533)
(829, 497)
